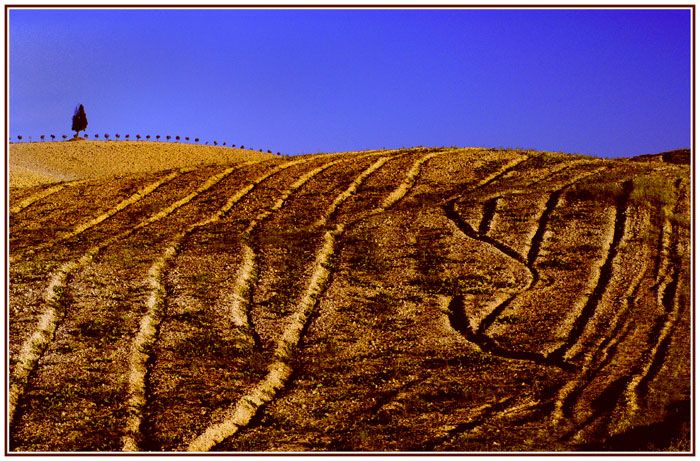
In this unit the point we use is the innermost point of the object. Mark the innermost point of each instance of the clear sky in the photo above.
(602, 82)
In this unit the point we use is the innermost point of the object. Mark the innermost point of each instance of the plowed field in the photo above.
(463, 300)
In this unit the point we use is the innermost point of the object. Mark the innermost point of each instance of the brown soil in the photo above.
(504, 301)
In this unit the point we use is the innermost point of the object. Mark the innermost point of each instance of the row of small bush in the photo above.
(138, 137)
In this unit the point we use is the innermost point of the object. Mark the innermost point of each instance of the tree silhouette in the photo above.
(42, 136)
(177, 138)
(148, 136)
(106, 136)
(80, 121)
(97, 135)
(138, 136)
(167, 137)
(196, 139)
(19, 136)
(126, 136)
(53, 137)
(64, 136)
(116, 135)
(242, 146)
(187, 138)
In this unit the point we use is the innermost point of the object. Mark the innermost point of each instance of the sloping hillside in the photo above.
(412, 300)
(32, 164)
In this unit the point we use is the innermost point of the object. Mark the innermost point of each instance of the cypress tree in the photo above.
(79, 120)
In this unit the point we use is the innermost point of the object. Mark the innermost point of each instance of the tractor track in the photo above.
(620, 327)
(55, 300)
(667, 289)
(143, 344)
(280, 370)
(603, 279)
(487, 215)
(255, 334)
(132, 199)
(29, 201)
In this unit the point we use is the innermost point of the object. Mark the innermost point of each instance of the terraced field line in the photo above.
(42, 194)
(34, 347)
(142, 345)
(280, 370)
(605, 274)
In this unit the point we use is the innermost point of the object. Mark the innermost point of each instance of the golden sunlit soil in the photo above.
(32, 164)
(452, 300)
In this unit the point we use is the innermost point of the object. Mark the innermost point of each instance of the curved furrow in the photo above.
(155, 309)
(515, 222)
(493, 177)
(550, 205)
(479, 337)
(349, 191)
(603, 350)
(280, 370)
(132, 199)
(667, 297)
(54, 297)
(408, 182)
(606, 272)
(458, 320)
(478, 416)
(208, 355)
(533, 252)
(489, 212)
(450, 209)
(242, 290)
(42, 194)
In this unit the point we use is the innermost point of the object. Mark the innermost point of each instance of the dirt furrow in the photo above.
(205, 359)
(603, 351)
(55, 299)
(155, 310)
(42, 194)
(604, 277)
(408, 182)
(454, 216)
(479, 336)
(280, 370)
(502, 171)
(137, 196)
(488, 213)
(668, 295)
(242, 291)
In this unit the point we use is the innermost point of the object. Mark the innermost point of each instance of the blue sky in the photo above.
(602, 82)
